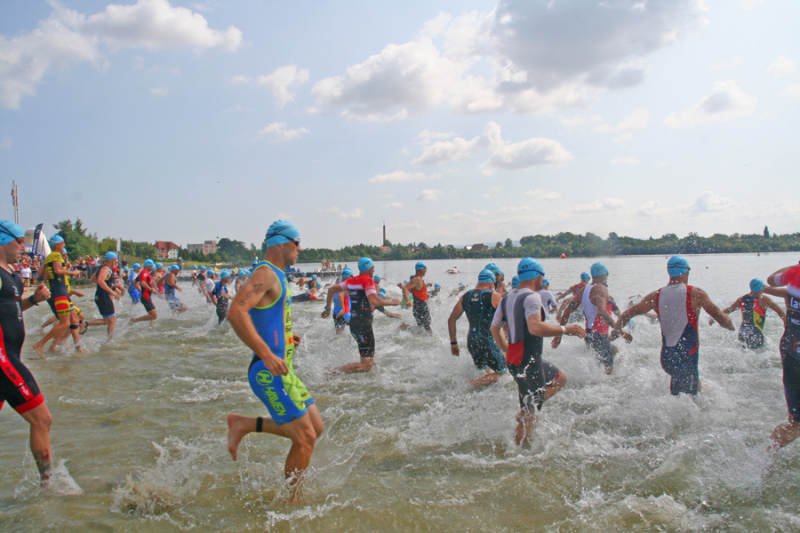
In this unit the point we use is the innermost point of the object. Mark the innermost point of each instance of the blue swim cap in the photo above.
(677, 266)
(109, 255)
(545, 282)
(65, 250)
(224, 274)
(515, 282)
(599, 269)
(585, 276)
(124, 269)
(10, 232)
(376, 278)
(529, 268)
(313, 277)
(194, 267)
(491, 266)
(412, 276)
(303, 274)
(486, 276)
(382, 292)
(280, 232)
(149, 262)
(202, 268)
(364, 264)
(757, 284)
(159, 265)
(55, 239)
(462, 284)
(420, 266)
(136, 265)
(436, 285)
(347, 273)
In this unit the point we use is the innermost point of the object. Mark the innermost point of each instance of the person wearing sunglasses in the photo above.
(17, 385)
(261, 316)
(678, 306)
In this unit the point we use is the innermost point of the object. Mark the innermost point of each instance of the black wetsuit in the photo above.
(477, 305)
(103, 299)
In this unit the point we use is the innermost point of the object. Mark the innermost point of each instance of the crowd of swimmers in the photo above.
(507, 325)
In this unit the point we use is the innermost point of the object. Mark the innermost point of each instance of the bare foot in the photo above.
(238, 427)
(79, 348)
(39, 351)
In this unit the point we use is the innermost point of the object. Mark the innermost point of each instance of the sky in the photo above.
(453, 122)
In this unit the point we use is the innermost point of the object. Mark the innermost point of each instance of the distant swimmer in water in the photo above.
(437, 288)
(597, 308)
(105, 294)
(363, 298)
(419, 289)
(17, 384)
(261, 316)
(144, 283)
(461, 288)
(480, 305)
(170, 286)
(788, 277)
(678, 306)
(521, 309)
(754, 307)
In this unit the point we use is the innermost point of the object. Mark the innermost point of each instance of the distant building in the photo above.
(167, 250)
(208, 247)
(479, 246)
(385, 249)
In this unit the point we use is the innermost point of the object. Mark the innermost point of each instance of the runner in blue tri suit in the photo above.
(480, 305)
(790, 352)
(754, 307)
(134, 293)
(521, 309)
(261, 315)
(678, 306)
(170, 286)
(220, 295)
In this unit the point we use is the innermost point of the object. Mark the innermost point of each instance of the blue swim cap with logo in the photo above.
(599, 269)
(757, 284)
(55, 239)
(280, 232)
(515, 282)
(462, 284)
(529, 268)
(677, 266)
(486, 276)
(585, 276)
(9, 231)
(365, 264)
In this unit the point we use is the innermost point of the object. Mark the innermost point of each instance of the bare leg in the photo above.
(365, 365)
(527, 423)
(151, 316)
(56, 332)
(784, 434)
(40, 420)
(487, 379)
(554, 386)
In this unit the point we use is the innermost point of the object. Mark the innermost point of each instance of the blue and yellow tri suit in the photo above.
(285, 396)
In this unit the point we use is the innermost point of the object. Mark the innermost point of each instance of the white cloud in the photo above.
(650, 209)
(783, 66)
(609, 204)
(155, 24)
(67, 36)
(793, 90)
(159, 91)
(454, 216)
(429, 195)
(634, 120)
(400, 176)
(726, 102)
(479, 213)
(734, 61)
(544, 195)
(395, 205)
(708, 201)
(513, 209)
(626, 161)
(280, 132)
(427, 135)
(526, 154)
(355, 213)
(282, 81)
(525, 57)
(406, 225)
(240, 79)
(458, 149)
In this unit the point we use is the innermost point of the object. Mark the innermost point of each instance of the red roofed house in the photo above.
(167, 250)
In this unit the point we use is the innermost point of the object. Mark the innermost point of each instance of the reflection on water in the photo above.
(139, 432)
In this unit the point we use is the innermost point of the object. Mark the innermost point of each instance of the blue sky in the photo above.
(455, 123)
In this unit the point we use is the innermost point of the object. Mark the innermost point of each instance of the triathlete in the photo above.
(789, 277)
(261, 316)
(382, 296)
(17, 385)
(134, 292)
(499, 276)
(170, 286)
(144, 283)
(548, 301)
(201, 279)
(363, 298)
(572, 291)
(754, 307)
(208, 285)
(420, 291)
(437, 288)
(461, 288)
(522, 310)
(678, 307)
(105, 294)
(55, 273)
(221, 296)
(480, 305)
(341, 304)
(158, 278)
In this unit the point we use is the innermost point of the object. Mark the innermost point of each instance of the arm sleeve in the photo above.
(533, 305)
(499, 319)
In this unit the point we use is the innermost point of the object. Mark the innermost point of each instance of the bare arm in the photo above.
(377, 301)
(599, 298)
(499, 338)
(771, 279)
(260, 288)
(699, 296)
(648, 303)
(458, 310)
(101, 282)
(767, 302)
(41, 294)
(733, 307)
(780, 292)
(335, 289)
(543, 329)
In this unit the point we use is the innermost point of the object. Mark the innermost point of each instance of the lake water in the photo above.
(139, 430)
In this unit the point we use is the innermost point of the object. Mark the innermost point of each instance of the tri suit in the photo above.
(751, 331)
(420, 307)
(59, 301)
(102, 298)
(145, 298)
(358, 290)
(477, 305)
(286, 397)
(680, 342)
(17, 385)
(597, 329)
(790, 342)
